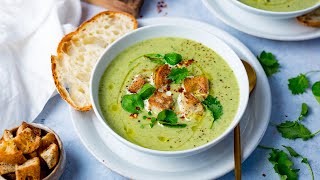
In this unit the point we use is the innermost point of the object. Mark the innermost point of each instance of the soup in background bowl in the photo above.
(169, 90)
(277, 9)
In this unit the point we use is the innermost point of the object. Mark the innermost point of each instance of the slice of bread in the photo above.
(78, 52)
(311, 19)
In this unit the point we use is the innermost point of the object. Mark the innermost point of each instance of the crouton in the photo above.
(46, 140)
(190, 106)
(25, 125)
(198, 86)
(51, 155)
(160, 101)
(137, 84)
(160, 76)
(7, 135)
(6, 168)
(9, 153)
(27, 141)
(29, 169)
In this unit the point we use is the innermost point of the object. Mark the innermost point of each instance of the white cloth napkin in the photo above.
(29, 34)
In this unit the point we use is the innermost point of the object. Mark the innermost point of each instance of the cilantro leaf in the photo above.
(173, 125)
(304, 160)
(167, 116)
(156, 58)
(291, 151)
(283, 165)
(294, 130)
(299, 84)
(214, 105)
(178, 74)
(304, 111)
(132, 103)
(146, 91)
(269, 63)
(172, 58)
(316, 91)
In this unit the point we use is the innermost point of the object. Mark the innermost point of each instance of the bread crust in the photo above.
(61, 48)
(307, 20)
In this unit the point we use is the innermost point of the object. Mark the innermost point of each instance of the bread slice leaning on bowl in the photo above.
(78, 52)
(311, 19)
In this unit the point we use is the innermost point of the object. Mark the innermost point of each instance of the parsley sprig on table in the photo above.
(269, 63)
(300, 83)
(283, 165)
(294, 129)
(304, 160)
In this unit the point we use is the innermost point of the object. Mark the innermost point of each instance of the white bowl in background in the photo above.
(273, 14)
(157, 31)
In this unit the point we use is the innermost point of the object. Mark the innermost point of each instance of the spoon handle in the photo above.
(237, 152)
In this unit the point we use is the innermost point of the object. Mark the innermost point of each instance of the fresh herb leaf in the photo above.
(153, 122)
(149, 113)
(304, 160)
(167, 116)
(283, 165)
(173, 58)
(156, 58)
(316, 91)
(173, 125)
(269, 63)
(294, 130)
(214, 105)
(304, 111)
(146, 91)
(292, 152)
(132, 103)
(299, 84)
(178, 74)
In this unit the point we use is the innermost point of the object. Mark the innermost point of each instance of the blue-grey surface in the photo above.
(294, 57)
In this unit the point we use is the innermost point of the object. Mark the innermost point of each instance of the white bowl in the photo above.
(149, 32)
(272, 14)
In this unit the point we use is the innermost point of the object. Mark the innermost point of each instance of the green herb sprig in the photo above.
(269, 63)
(178, 74)
(167, 118)
(294, 129)
(133, 103)
(214, 105)
(169, 58)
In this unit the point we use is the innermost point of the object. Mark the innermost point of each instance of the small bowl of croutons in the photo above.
(31, 151)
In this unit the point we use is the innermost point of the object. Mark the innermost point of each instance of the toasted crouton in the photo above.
(7, 135)
(32, 155)
(29, 169)
(51, 155)
(198, 86)
(9, 153)
(311, 19)
(190, 106)
(46, 140)
(6, 168)
(160, 101)
(25, 125)
(27, 141)
(160, 76)
(137, 84)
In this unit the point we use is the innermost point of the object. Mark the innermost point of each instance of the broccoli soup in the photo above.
(169, 94)
(281, 5)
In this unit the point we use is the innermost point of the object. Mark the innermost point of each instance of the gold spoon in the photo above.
(237, 142)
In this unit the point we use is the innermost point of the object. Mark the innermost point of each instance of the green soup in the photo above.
(280, 5)
(198, 131)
